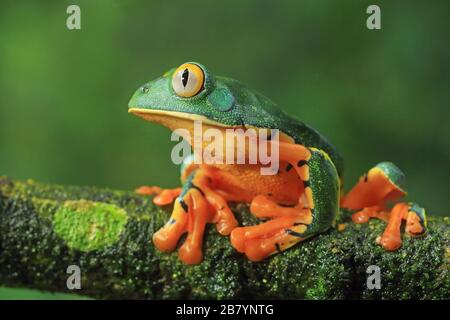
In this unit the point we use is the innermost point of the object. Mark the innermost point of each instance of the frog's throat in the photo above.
(175, 119)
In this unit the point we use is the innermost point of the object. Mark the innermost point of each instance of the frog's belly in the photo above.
(244, 182)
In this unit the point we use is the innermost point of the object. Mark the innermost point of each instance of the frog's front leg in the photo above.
(196, 206)
(315, 212)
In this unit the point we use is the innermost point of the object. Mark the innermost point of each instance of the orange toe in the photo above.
(148, 190)
(390, 242)
(190, 253)
(237, 239)
(258, 249)
(360, 217)
(226, 226)
(166, 196)
(164, 241)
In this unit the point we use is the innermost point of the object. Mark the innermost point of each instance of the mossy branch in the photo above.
(107, 233)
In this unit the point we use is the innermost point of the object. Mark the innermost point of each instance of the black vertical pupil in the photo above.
(185, 77)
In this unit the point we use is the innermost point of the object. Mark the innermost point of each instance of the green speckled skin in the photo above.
(419, 211)
(324, 182)
(248, 108)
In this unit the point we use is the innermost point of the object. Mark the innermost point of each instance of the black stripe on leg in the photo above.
(305, 184)
(193, 186)
(294, 233)
(301, 163)
(277, 246)
(184, 205)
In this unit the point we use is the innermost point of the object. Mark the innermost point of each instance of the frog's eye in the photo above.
(188, 80)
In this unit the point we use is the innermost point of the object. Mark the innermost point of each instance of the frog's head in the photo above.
(190, 92)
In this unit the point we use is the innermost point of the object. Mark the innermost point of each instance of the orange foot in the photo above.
(391, 240)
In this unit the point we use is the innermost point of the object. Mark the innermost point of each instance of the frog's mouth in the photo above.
(175, 119)
(182, 120)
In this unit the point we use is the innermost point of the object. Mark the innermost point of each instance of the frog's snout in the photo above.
(134, 101)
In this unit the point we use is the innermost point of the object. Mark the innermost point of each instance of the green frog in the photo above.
(300, 201)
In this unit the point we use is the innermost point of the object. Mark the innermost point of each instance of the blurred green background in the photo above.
(376, 94)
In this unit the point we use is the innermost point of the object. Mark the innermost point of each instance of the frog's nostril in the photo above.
(144, 89)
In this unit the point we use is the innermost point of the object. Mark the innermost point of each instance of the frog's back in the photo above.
(257, 110)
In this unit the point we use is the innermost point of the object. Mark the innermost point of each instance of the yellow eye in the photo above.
(187, 80)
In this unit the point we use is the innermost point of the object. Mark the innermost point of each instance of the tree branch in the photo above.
(107, 233)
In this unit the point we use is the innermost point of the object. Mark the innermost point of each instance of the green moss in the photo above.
(89, 225)
(45, 207)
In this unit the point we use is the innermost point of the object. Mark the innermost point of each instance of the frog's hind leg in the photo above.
(370, 196)
(262, 207)
(314, 213)
(273, 236)
(256, 249)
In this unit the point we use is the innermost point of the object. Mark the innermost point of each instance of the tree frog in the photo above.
(300, 201)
